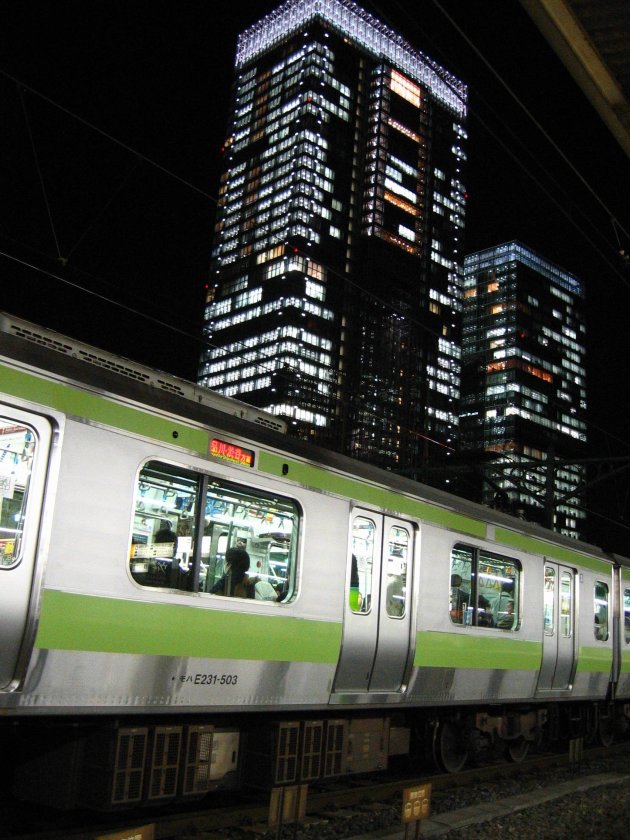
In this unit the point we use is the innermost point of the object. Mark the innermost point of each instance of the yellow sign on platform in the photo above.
(142, 832)
(416, 803)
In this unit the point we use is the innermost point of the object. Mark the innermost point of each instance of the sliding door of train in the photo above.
(558, 662)
(377, 623)
(24, 446)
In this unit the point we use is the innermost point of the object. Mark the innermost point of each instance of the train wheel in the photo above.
(450, 750)
(516, 751)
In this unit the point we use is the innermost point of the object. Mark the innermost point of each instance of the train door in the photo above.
(376, 644)
(24, 447)
(558, 662)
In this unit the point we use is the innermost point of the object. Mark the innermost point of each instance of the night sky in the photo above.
(119, 111)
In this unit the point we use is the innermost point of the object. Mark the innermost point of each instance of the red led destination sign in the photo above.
(231, 452)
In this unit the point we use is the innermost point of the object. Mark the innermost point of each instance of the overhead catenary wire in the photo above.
(38, 168)
(557, 198)
(529, 114)
(108, 136)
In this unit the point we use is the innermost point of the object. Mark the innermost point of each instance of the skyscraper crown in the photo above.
(361, 27)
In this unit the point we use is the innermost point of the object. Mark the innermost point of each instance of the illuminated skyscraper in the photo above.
(335, 293)
(523, 381)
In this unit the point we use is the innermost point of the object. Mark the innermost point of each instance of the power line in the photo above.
(526, 110)
(111, 138)
(39, 170)
(525, 151)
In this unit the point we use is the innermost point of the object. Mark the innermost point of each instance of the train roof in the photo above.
(159, 381)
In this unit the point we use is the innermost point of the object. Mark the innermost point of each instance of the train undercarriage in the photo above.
(125, 763)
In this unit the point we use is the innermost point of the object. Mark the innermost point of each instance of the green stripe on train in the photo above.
(464, 650)
(551, 551)
(594, 660)
(380, 497)
(102, 410)
(112, 625)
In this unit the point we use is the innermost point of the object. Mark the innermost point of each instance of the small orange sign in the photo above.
(142, 832)
(416, 803)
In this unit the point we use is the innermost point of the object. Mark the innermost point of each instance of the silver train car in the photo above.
(191, 600)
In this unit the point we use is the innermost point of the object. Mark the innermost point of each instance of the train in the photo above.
(383, 621)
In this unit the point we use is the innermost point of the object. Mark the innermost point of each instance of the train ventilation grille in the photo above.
(198, 760)
(131, 747)
(287, 753)
(167, 741)
(336, 741)
(312, 739)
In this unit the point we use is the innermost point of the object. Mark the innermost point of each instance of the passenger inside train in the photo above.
(460, 599)
(235, 581)
(506, 619)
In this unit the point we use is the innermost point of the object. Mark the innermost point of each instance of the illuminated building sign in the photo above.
(231, 452)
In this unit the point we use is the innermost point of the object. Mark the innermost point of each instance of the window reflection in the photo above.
(566, 603)
(484, 588)
(600, 625)
(397, 557)
(17, 450)
(361, 577)
(549, 604)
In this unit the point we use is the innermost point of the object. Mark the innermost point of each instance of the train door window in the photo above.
(397, 556)
(549, 605)
(600, 626)
(361, 574)
(626, 616)
(187, 528)
(17, 450)
(566, 604)
(485, 588)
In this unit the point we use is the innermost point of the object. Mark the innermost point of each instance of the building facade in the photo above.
(523, 383)
(335, 293)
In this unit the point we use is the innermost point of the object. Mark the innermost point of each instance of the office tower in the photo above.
(523, 382)
(335, 292)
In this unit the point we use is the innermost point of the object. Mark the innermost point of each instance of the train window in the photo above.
(397, 555)
(360, 594)
(196, 534)
(549, 605)
(462, 558)
(17, 450)
(164, 526)
(626, 616)
(265, 527)
(600, 625)
(485, 589)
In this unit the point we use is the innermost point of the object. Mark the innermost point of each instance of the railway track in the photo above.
(340, 808)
